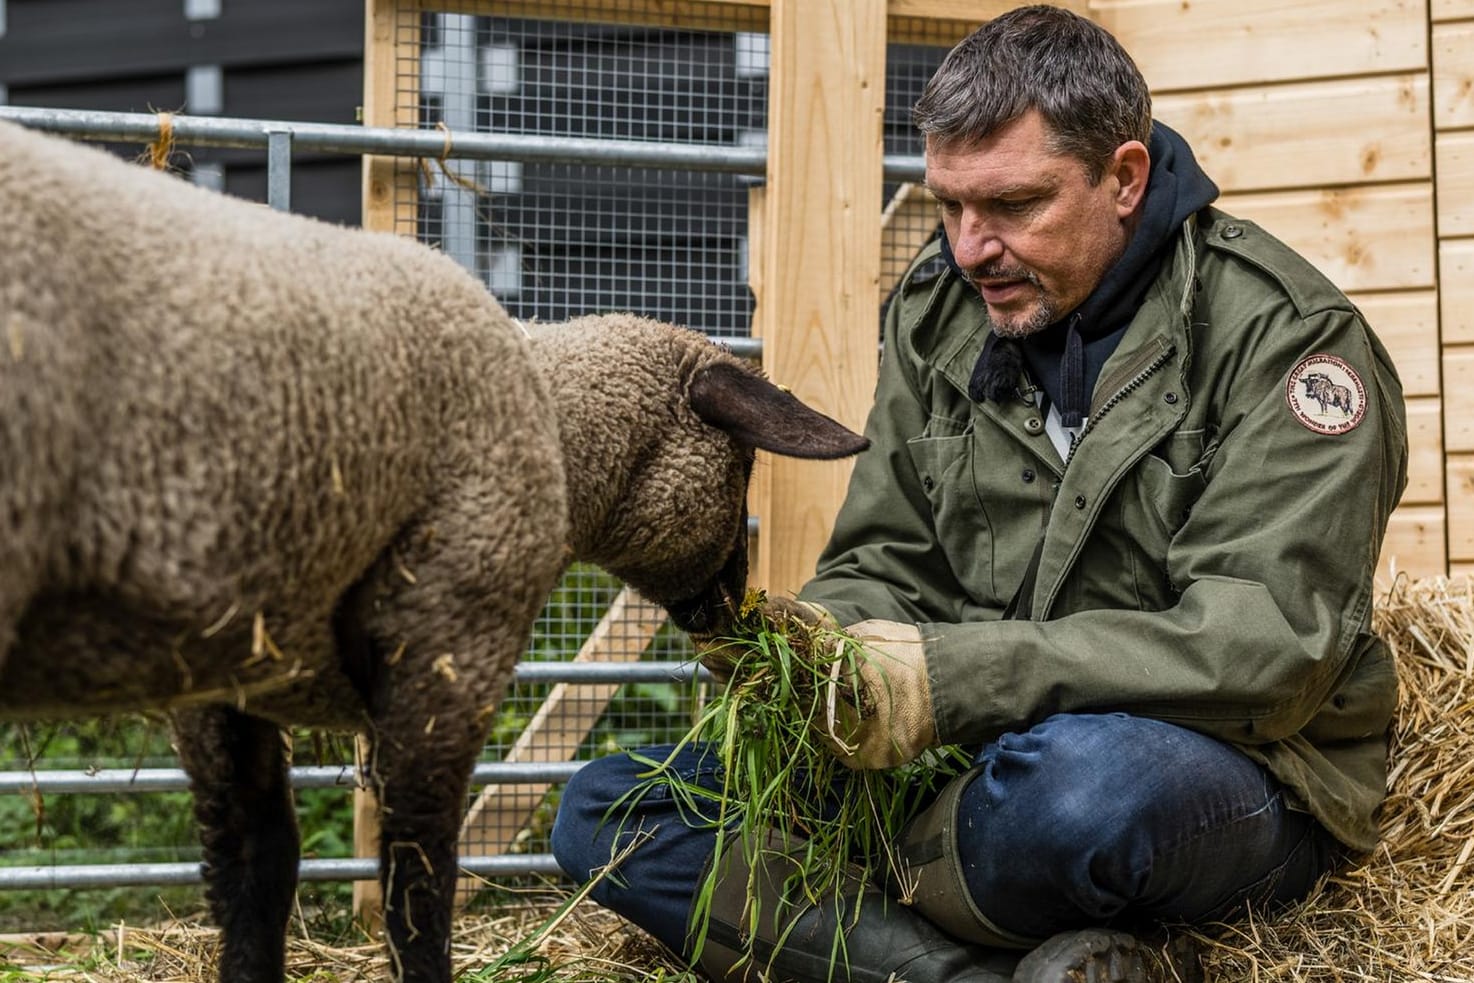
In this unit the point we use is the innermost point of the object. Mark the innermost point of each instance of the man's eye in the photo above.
(1016, 206)
(949, 207)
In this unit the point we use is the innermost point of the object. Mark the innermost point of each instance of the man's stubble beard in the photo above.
(1032, 321)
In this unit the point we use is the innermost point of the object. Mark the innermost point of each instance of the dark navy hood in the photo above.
(1065, 358)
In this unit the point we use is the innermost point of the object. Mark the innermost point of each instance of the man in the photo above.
(1132, 460)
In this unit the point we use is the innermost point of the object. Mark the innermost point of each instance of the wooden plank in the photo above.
(1362, 238)
(1458, 399)
(1407, 323)
(1453, 75)
(1461, 507)
(820, 251)
(1307, 134)
(556, 731)
(1455, 163)
(1210, 43)
(1425, 452)
(380, 176)
(760, 485)
(696, 15)
(1456, 290)
(911, 21)
(973, 10)
(391, 54)
(368, 896)
(1442, 10)
(1414, 544)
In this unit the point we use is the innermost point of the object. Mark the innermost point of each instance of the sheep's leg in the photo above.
(237, 766)
(422, 764)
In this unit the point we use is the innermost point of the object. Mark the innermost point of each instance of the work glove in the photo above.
(719, 654)
(893, 723)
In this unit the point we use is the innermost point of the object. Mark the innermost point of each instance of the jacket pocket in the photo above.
(1156, 501)
(1169, 480)
(942, 457)
(1363, 702)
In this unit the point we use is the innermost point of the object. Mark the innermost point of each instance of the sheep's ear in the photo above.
(757, 413)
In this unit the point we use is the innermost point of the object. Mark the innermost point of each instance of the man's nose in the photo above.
(977, 244)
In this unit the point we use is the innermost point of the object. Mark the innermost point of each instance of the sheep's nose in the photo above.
(703, 614)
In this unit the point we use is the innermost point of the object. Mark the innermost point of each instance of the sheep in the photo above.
(258, 471)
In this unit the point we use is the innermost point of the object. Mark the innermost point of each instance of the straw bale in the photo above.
(1405, 912)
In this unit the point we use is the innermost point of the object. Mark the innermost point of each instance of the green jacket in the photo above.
(1207, 554)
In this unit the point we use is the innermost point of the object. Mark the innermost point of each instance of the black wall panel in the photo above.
(299, 60)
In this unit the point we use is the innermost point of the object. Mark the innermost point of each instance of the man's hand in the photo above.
(894, 723)
(718, 654)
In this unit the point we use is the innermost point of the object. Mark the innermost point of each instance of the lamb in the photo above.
(259, 471)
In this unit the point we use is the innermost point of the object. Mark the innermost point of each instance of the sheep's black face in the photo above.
(711, 610)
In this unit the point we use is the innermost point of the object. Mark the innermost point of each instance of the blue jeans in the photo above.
(1085, 819)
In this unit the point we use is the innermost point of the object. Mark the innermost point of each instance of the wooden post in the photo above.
(388, 186)
(820, 252)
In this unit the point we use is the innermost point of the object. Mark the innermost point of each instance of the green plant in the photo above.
(771, 726)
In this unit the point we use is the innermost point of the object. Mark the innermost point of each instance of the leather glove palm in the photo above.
(719, 654)
(894, 723)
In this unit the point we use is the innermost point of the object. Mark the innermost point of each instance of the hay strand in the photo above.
(1406, 912)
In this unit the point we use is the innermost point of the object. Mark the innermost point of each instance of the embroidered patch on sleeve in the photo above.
(1326, 395)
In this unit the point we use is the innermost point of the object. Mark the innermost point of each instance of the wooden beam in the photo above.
(1415, 544)
(391, 40)
(820, 252)
(936, 22)
(1407, 323)
(760, 486)
(696, 15)
(1455, 163)
(968, 10)
(1458, 399)
(391, 56)
(1425, 452)
(1441, 10)
(1210, 43)
(1307, 134)
(1453, 75)
(1362, 238)
(556, 731)
(1461, 508)
(1456, 290)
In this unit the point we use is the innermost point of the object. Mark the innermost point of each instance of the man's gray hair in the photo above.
(1079, 78)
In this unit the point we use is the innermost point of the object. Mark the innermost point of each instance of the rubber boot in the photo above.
(859, 935)
(1098, 955)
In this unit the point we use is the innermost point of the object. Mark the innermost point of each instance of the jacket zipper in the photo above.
(1135, 383)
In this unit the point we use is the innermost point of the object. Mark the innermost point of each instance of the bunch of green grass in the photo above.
(772, 725)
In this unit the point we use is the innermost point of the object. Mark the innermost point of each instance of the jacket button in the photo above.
(928, 483)
(1171, 399)
(1232, 231)
(1028, 476)
(1079, 501)
(1033, 424)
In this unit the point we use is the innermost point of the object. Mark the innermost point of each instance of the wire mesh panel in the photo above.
(553, 241)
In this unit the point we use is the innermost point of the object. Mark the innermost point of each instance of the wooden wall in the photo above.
(1452, 67)
(1346, 128)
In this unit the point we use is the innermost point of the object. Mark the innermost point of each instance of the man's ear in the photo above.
(756, 413)
(1130, 165)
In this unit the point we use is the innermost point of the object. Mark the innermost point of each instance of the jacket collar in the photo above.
(937, 339)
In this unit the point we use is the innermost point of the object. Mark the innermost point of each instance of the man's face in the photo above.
(1032, 233)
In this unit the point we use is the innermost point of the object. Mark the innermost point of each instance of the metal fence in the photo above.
(573, 168)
